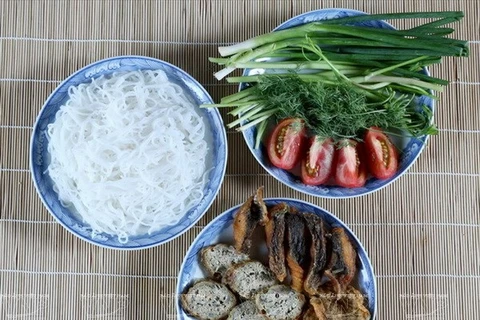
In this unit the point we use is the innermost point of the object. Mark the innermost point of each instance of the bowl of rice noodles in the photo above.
(123, 157)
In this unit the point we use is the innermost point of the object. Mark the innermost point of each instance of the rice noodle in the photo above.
(128, 153)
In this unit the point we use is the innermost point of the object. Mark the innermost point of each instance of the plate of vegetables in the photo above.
(337, 103)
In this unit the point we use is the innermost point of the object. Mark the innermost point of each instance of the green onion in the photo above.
(341, 78)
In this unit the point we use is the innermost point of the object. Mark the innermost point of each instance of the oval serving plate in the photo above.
(411, 148)
(220, 230)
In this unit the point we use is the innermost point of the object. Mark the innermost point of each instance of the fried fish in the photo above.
(341, 267)
(318, 253)
(252, 213)
(297, 252)
(275, 236)
(347, 305)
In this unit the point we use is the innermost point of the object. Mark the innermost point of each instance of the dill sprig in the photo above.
(341, 110)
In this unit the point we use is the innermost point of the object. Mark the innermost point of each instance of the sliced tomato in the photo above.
(381, 154)
(285, 144)
(317, 165)
(350, 171)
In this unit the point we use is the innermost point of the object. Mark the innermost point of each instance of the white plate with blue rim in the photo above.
(39, 156)
(220, 230)
(410, 148)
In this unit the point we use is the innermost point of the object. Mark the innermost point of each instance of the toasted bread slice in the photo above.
(248, 278)
(280, 302)
(251, 214)
(216, 259)
(318, 253)
(297, 252)
(342, 265)
(208, 300)
(275, 238)
(246, 311)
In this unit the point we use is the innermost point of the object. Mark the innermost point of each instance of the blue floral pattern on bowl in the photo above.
(39, 158)
(220, 231)
(412, 147)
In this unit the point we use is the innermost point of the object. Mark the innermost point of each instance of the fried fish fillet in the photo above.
(310, 314)
(275, 237)
(259, 208)
(297, 252)
(318, 253)
(318, 308)
(341, 267)
(252, 213)
(347, 305)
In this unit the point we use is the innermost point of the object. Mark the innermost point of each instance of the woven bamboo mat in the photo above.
(422, 233)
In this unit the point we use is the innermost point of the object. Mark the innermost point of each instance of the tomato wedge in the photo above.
(350, 171)
(285, 144)
(317, 165)
(381, 154)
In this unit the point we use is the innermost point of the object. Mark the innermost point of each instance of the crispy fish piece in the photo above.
(275, 237)
(252, 213)
(310, 314)
(347, 305)
(318, 253)
(318, 308)
(342, 265)
(259, 207)
(297, 252)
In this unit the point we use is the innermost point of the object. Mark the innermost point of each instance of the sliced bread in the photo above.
(218, 258)
(248, 278)
(208, 300)
(246, 311)
(280, 302)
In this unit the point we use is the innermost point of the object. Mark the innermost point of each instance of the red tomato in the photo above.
(381, 154)
(285, 145)
(317, 165)
(350, 171)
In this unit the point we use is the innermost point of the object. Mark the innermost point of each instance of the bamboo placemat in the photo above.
(422, 232)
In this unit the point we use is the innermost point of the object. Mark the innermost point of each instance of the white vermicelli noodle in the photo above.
(128, 153)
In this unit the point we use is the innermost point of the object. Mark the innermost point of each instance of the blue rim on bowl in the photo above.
(411, 147)
(215, 231)
(39, 153)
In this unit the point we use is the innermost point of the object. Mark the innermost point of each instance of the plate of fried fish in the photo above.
(276, 259)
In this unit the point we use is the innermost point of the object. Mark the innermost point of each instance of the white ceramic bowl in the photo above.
(220, 230)
(39, 157)
(410, 148)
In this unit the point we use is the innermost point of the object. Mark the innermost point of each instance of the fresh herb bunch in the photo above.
(357, 76)
(335, 111)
